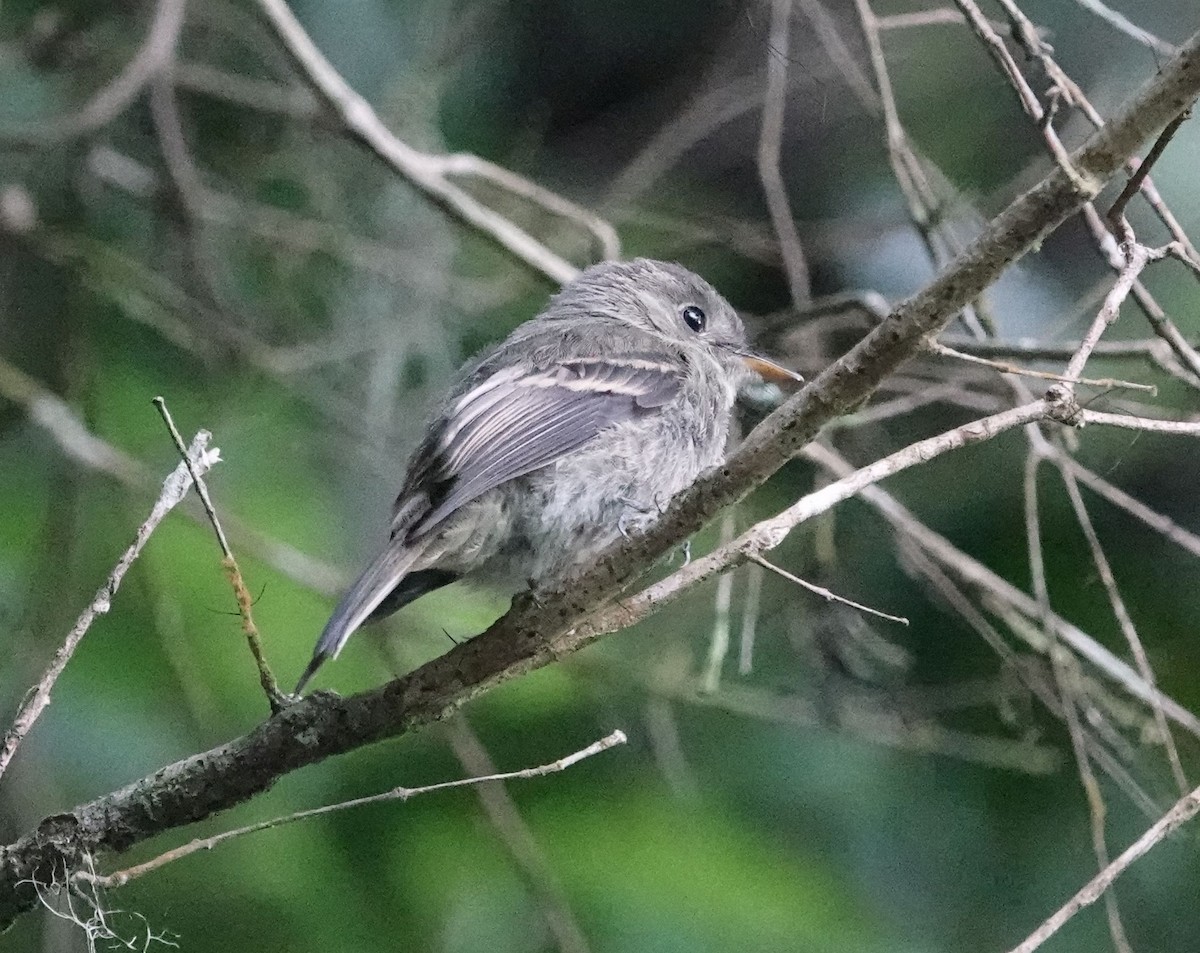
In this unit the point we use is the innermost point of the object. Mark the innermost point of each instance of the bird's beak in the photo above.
(770, 371)
(766, 369)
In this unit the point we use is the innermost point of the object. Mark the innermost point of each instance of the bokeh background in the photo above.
(864, 786)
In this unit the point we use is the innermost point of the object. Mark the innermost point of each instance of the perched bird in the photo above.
(578, 428)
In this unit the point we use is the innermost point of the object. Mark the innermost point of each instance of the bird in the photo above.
(575, 430)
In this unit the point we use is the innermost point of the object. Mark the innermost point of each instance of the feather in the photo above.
(370, 589)
(517, 421)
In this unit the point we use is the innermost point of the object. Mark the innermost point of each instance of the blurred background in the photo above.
(833, 781)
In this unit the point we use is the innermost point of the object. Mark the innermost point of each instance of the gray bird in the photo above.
(578, 428)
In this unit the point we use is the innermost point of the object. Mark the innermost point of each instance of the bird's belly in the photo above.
(560, 517)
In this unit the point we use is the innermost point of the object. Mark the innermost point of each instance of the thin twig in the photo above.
(1155, 200)
(115, 97)
(908, 168)
(198, 459)
(470, 165)
(1036, 349)
(429, 173)
(1124, 621)
(121, 877)
(770, 145)
(79, 444)
(750, 610)
(863, 717)
(512, 831)
(1183, 811)
(245, 601)
(939, 16)
(1137, 258)
(1183, 428)
(1105, 383)
(68, 430)
(908, 172)
(1128, 27)
(1025, 33)
(1066, 679)
(979, 576)
(718, 643)
(826, 594)
(1028, 98)
(1163, 525)
(769, 533)
(951, 393)
(1116, 214)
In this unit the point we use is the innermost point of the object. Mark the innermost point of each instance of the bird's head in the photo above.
(673, 304)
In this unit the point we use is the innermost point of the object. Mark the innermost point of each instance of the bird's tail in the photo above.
(384, 574)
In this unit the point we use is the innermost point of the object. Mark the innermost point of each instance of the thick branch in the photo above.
(531, 635)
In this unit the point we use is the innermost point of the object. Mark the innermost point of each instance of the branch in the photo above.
(431, 173)
(233, 571)
(532, 635)
(1183, 811)
(121, 877)
(69, 431)
(156, 51)
(1002, 592)
(770, 146)
(198, 459)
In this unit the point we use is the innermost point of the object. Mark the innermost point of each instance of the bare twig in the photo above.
(1125, 621)
(1036, 349)
(1165, 215)
(769, 533)
(1066, 680)
(925, 206)
(1122, 23)
(874, 725)
(249, 92)
(1116, 214)
(907, 169)
(750, 610)
(234, 573)
(825, 26)
(1008, 66)
(1183, 428)
(121, 877)
(718, 643)
(64, 426)
(1181, 812)
(826, 594)
(770, 144)
(1137, 258)
(1105, 383)
(431, 173)
(939, 16)
(1027, 35)
(79, 444)
(472, 166)
(115, 97)
(1163, 525)
(198, 459)
(978, 576)
(515, 835)
(950, 393)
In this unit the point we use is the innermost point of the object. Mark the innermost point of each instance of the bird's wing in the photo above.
(520, 419)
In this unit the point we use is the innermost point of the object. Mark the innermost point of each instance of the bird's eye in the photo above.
(694, 318)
